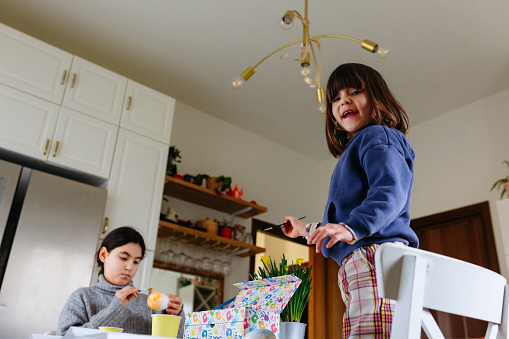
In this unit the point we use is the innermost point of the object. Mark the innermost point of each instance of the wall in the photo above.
(282, 180)
(458, 157)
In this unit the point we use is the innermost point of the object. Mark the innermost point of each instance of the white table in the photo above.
(87, 333)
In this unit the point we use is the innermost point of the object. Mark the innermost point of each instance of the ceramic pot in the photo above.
(292, 330)
(226, 232)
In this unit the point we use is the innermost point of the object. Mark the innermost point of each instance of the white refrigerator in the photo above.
(49, 230)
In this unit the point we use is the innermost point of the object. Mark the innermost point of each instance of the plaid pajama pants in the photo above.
(366, 315)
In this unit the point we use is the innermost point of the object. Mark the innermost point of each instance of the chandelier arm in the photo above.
(275, 51)
(310, 38)
(335, 36)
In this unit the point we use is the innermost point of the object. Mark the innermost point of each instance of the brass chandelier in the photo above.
(308, 43)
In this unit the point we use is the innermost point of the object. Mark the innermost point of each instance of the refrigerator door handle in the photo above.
(106, 222)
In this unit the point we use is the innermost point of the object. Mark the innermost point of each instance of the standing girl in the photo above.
(114, 301)
(369, 194)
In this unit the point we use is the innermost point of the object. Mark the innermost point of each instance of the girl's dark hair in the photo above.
(386, 110)
(119, 237)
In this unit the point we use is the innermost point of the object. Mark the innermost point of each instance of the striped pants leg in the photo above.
(366, 315)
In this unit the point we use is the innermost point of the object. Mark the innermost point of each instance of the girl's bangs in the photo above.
(343, 77)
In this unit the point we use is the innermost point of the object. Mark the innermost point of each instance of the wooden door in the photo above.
(466, 234)
(326, 305)
(324, 313)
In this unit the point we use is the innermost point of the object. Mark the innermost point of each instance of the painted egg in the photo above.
(260, 334)
(158, 301)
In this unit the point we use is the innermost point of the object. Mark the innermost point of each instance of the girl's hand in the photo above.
(293, 227)
(125, 294)
(175, 305)
(336, 233)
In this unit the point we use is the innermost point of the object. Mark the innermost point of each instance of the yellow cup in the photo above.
(111, 329)
(165, 325)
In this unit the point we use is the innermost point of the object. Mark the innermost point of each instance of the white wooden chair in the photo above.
(419, 281)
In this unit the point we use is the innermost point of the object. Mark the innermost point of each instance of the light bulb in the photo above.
(286, 22)
(305, 70)
(237, 82)
(321, 107)
(381, 53)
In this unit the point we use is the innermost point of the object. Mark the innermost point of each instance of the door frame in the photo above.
(480, 210)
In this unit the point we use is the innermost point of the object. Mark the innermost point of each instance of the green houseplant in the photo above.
(502, 183)
(173, 158)
(295, 307)
(225, 229)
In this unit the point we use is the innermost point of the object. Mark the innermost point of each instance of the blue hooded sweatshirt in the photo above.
(370, 191)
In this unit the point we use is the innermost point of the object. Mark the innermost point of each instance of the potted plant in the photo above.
(225, 229)
(290, 326)
(219, 184)
(200, 178)
(173, 158)
(502, 183)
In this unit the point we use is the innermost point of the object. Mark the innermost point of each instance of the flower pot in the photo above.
(292, 330)
(507, 188)
(226, 232)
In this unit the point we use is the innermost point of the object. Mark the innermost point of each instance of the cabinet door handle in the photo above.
(46, 147)
(56, 149)
(73, 80)
(64, 77)
(129, 102)
(106, 222)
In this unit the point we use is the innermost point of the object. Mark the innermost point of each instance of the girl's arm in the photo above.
(390, 183)
(294, 228)
(75, 312)
(336, 232)
(175, 305)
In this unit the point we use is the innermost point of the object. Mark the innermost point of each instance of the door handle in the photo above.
(73, 80)
(56, 149)
(64, 77)
(129, 102)
(106, 222)
(46, 147)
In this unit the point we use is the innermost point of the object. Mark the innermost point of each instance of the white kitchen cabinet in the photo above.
(148, 112)
(27, 123)
(95, 90)
(144, 274)
(83, 143)
(45, 131)
(136, 184)
(32, 65)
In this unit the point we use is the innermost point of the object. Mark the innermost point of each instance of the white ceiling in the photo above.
(443, 53)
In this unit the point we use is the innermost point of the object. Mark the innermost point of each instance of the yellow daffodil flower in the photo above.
(300, 261)
(266, 259)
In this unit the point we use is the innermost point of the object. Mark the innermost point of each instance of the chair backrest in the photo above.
(447, 284)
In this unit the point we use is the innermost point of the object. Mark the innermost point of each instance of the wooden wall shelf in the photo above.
(202, 196)
(216, 242)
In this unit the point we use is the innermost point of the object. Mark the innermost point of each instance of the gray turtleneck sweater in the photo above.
(91, 307)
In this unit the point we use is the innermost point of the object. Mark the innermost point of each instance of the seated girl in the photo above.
(114, 301)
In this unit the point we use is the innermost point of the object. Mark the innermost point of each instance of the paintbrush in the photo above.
(285, 223)
(142, 290)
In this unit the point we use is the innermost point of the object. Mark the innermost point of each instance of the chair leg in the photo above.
(407, 317)
(492, 331)
(503, 329)
(430, 326)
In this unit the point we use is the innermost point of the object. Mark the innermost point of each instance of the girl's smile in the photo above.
(352, 110)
